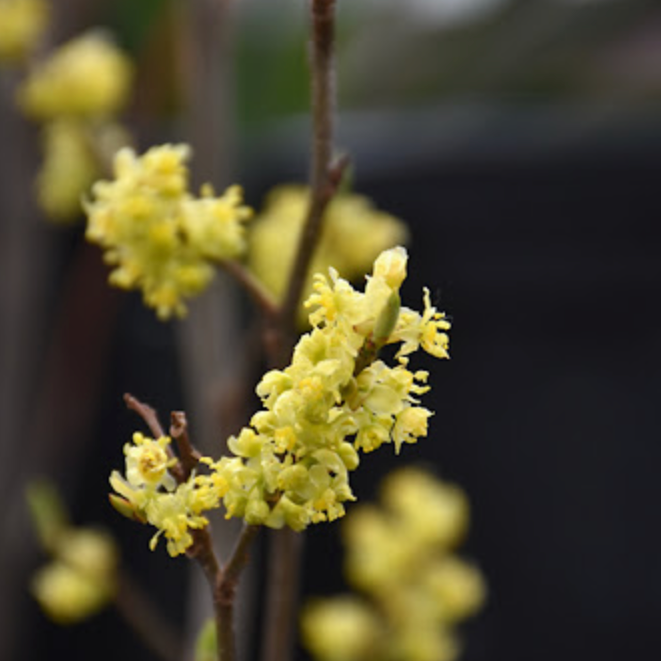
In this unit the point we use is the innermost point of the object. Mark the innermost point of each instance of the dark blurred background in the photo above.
(521, 142)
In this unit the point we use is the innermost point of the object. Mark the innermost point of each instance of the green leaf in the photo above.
(47, 510)
(206, 647)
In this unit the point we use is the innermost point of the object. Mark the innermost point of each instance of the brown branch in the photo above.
(189, 457)
(284, 564)
(146, 412)
(239, 557)
(262, 298)
(324, 175)
(225, 594)
(202, 551)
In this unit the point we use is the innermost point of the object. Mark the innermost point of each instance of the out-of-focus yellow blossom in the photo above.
(67, 171)
(342, 629)
(22, 23)
(160, 238)
(81, 579)
(86, 77)
(354, 234)
(291, 466)
(400, 555)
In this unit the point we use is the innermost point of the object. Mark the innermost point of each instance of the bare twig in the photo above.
(147, 413)
(324, 175)
(225, 594)
(189, 457)
(262, 298)
(287, 546)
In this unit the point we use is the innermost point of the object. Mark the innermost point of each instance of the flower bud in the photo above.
(391, 267)
(387, 319)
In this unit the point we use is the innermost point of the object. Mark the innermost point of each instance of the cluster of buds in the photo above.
(291, 466)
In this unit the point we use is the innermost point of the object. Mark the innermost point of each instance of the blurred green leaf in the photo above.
(206, 646)
(48, 512)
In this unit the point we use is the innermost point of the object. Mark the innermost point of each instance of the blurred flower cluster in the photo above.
(415, 590)
(354, 234)
(81, 577)
(76, 93)
(22, 24)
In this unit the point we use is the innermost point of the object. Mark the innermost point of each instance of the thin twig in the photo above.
(286, 546)
(202, 551)
(146, 412)
(188, 455)
(140, 614)
(225, 594)
(239, 557)
(263, 298)
(324, 175)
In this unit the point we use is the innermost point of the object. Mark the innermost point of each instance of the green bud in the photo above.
(387, 319)
(126, 508)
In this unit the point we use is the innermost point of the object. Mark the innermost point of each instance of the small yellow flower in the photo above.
(147, 461)
(391, 267)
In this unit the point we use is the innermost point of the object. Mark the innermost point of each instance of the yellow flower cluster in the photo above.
(354, 235)
(149, 493)
(400, 556)
(75, 93)
(159, 237)
(86, 77)
(291, 466)
(22, 23)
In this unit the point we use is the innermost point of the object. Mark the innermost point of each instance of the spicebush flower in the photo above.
(149, 493)
(291, 466)
(157, 235)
